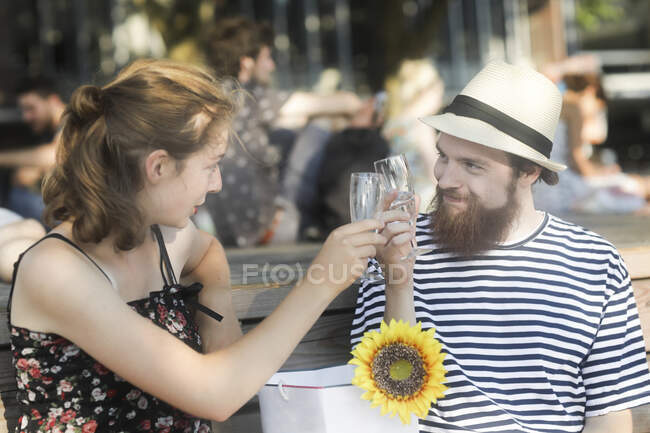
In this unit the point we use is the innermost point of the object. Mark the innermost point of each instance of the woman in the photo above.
(588, 186)
(415, 91)
(136, 158)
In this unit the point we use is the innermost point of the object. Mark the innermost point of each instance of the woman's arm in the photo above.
(578, 160)
(77, 302)
(207, 264)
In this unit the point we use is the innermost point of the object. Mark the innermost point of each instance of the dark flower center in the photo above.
(398, 370)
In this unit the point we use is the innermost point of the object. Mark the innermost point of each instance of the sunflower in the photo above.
(400, 368)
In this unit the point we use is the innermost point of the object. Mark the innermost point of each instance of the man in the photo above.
(20, 225)
(536, 315)
(245, 211)
(41, 108)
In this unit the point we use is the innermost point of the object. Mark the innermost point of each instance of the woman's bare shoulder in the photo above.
(51, 275)
(54, 258)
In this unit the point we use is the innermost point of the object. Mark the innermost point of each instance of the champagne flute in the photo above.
(395, 176)
(365, 198)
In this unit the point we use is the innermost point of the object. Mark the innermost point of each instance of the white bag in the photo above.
(322, 401)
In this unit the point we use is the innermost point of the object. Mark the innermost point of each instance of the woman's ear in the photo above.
(157, 166)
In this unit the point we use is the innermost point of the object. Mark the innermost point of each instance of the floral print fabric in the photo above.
(62, 389)
(245, 206)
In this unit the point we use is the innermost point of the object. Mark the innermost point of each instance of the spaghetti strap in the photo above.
(20, 257)
(78, 248)
(168, 277)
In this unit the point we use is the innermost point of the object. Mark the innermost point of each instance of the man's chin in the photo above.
(37, 129)
(454, 209)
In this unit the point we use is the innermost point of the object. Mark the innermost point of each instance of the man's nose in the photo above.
(448, 176)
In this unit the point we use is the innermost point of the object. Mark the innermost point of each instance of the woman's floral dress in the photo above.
(62, 389)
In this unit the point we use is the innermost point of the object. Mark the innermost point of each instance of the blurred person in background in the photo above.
(415, 91)
(249, 211)
(387, 124)
(41, 109)
(592, 184)
(353, 149)
(16, 235)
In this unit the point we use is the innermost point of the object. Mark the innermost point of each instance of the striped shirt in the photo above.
(539, 334)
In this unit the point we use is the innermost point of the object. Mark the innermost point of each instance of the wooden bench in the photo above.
(261, 277)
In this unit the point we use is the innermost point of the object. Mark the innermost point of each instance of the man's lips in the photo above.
(452, 198)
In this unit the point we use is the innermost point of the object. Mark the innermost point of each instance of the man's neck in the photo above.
(527, 220)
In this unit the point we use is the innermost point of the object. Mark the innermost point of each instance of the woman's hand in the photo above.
(345, 253)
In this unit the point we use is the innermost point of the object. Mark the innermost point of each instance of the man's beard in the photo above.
(474, 230)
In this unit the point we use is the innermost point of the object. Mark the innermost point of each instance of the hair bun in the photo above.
(87, 103)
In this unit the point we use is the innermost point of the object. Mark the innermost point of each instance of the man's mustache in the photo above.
(452, 193)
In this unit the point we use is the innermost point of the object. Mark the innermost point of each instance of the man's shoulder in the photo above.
(423, 226)
(423, 221)
(575, 234)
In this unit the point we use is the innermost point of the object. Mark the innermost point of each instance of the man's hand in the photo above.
(397, 270)
(400, 233)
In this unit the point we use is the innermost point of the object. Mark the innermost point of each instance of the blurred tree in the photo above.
(407, 29)
(613, 24)
(181, 23)
(590, 14)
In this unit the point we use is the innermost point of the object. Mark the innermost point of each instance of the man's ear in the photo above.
(530, 176)
(54, 99)
(246, 66)
(157, 166)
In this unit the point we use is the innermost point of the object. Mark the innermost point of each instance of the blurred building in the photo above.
(363, 40)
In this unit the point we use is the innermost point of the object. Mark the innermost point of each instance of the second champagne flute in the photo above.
(365, 198)
(395, 176)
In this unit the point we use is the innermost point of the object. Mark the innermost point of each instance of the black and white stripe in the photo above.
(539, 334)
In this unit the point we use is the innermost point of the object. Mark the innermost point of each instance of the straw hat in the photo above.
(506, 107)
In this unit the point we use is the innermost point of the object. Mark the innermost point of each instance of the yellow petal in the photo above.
(428, 348)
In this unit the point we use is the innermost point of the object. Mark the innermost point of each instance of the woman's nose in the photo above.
(215, 184)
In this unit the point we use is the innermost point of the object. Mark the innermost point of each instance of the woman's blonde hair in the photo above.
(411, 80)
(108, 131)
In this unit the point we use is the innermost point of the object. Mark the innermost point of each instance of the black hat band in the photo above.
(466, 106)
